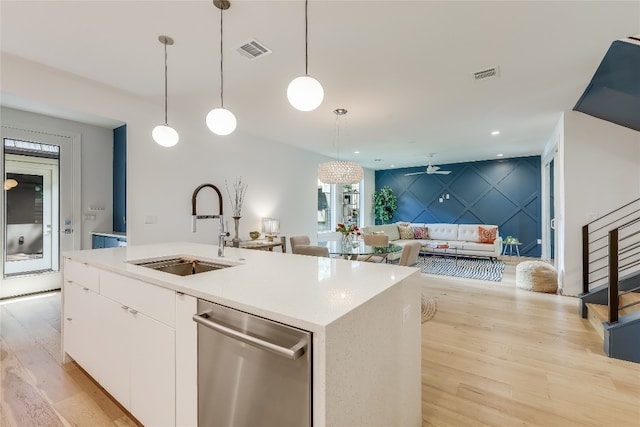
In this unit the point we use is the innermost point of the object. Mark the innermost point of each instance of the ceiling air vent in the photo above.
(253, 49)
(489, 73)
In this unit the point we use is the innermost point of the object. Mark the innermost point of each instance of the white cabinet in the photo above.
(125, 338)
(152, 371)
(81, 321)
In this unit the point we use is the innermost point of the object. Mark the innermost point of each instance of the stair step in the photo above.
(630, 298)
(599, 313)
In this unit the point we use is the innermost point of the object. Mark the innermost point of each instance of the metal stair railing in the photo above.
(624, 259)
(595, 245)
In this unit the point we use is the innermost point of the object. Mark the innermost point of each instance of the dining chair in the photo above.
(410, 253)
(380, 240)
(298, 240)
(319, 251)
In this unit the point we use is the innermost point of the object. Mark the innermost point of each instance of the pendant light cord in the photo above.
(221, 70)
(165, 83)
(306, 38)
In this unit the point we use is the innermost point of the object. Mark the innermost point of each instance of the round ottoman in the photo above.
(537, 276)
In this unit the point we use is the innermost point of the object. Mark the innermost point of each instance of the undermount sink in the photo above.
(181, 266)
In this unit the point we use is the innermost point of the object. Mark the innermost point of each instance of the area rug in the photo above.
(429, 308)
(469, 268)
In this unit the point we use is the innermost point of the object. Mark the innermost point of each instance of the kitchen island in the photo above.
(364, 319)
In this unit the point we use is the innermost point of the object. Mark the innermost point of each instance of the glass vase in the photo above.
(236, 239)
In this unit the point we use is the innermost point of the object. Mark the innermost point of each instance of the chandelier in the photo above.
(340, 171)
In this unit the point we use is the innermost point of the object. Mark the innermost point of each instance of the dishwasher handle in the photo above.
(292, 353)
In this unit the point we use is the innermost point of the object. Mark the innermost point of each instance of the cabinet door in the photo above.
(97, 242)
(81, 316)
(110, 242)
(114, 331)
(152, 371)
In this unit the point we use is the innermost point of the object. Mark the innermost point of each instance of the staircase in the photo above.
(611, 280)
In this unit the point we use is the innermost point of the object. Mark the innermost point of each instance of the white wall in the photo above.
(97, 163)
(160, 181)
(601, 172)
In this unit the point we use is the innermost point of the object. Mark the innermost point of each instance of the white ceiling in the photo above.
(403, 69)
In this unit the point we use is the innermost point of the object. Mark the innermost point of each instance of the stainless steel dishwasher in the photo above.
(252, 371)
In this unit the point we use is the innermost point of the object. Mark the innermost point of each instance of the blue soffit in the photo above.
(614, 92)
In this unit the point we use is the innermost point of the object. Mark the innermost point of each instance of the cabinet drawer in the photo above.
(82, 274)
(154, 301)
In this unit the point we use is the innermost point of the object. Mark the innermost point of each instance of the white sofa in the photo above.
(463, 239)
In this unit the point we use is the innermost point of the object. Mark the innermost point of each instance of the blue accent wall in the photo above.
(120, 179)
(503, 192)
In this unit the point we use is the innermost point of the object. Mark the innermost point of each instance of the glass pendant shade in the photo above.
(165, 135)
(221, 121)
(340, 172)
(305, 93)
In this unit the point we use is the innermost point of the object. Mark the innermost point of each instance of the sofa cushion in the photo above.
(486, 234)
(481, 247)
(406, 232)
(443, 231)
(420, 233)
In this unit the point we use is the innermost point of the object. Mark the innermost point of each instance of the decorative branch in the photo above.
(240, 188)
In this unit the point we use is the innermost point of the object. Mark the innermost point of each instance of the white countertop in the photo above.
(117, 234)
(303, 291)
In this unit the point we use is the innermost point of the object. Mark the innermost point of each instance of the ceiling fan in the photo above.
(431, 169)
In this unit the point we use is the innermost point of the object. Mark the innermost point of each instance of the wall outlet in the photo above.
(405, 313)
(150, 219)
(539, 241)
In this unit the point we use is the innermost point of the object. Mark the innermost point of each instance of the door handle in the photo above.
(553, 223)
(68, 230)
(292, 353)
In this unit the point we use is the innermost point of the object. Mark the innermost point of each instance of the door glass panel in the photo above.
(25, 217)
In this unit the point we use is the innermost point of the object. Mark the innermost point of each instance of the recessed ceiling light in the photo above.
(356, 152)
(495, 132)
(392, 166)
(500, 155)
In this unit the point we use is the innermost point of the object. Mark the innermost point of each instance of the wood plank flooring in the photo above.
(493, 355)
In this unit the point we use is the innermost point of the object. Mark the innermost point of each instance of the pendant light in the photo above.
(164, 134)
(340, 171)
(220, 120)
(305, 93)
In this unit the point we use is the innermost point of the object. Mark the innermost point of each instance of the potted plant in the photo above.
(384, 204)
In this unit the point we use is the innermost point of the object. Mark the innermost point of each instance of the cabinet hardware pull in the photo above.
(124, 307)
(132, 311)
(69, 319)
(86, 289)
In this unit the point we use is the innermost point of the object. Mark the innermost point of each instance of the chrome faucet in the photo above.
(194, 216)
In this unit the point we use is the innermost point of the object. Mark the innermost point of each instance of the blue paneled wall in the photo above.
(504, 192)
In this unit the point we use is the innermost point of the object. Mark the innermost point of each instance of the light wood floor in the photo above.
(493, 355)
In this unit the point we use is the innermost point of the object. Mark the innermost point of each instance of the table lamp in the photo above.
(270, 228)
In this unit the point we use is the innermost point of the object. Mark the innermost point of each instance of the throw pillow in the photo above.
(402, 223)
(420, 233)
(487, 235)
(377, 233)
(406, 232)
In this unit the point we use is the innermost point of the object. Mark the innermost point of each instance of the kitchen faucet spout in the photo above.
(194, 216)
